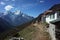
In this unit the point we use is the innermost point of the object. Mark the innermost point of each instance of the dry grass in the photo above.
(35, 32)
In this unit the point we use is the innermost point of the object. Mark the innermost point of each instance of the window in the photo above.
(52, 16)
(58, 14)
(47, 15)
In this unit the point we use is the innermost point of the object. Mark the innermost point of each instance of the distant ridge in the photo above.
(55, 7)
(16, 18)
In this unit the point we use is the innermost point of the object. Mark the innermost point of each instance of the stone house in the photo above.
(52, 17)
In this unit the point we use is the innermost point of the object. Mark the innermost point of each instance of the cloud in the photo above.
(42, 1)
(8, 7)
(2, 3)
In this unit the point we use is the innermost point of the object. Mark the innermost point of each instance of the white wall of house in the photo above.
(51, 28)
(48, 19)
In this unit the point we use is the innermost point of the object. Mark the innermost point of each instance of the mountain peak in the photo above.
(16, 18)
(17, 12)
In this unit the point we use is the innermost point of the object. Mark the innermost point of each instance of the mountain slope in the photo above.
(32, 31)
(55, 7)
(35, 31)
(4, 25)
(16, 18)
(10, 21)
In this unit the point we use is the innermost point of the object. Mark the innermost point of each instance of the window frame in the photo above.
(52, 16)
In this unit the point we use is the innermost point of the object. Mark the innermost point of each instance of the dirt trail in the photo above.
(41, 33)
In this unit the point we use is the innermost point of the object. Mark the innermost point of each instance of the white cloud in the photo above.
(8, 7)
(41, 1)
(2, 3)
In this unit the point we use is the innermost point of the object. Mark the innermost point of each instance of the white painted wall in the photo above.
(51, 28)
(48, 18)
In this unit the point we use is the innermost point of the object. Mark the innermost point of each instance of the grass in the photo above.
(27, 33)
(33, 32)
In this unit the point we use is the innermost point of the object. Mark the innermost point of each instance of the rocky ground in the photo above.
(36, 31)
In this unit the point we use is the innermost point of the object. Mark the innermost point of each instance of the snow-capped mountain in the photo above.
(16, 18)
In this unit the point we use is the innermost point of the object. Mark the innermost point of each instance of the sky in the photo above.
(29, 7)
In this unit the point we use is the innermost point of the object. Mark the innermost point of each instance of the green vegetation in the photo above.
(45, 23)
(33, 32)
(27, 33)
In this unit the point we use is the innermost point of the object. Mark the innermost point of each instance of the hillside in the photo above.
(34, 31)
(55, 7)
